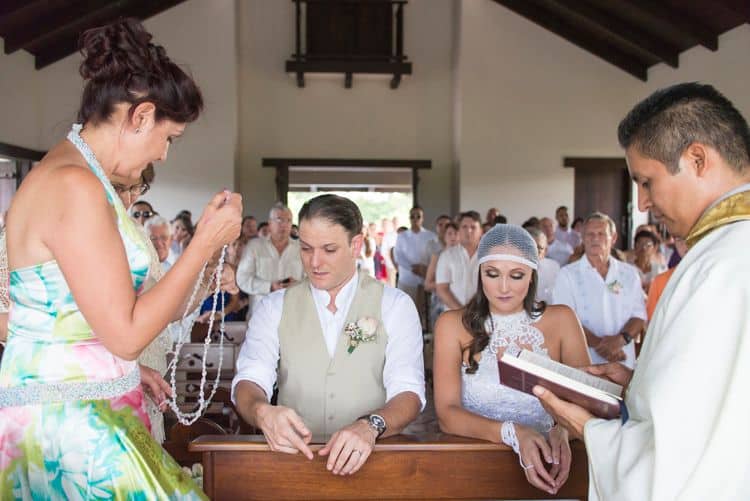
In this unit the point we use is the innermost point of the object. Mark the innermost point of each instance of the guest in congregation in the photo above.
(558, 250)
(141, 211)
(249, 228)
(366, 261)
(345, 349)
(547, 270)
(688, 151)
(646, 258)
(492, 213)
(69, 384)
(577, 226)
(441, 223)
(264, 230)
(457, 267)
(503, 314)
(500, 219)
(160, 233)
(182, 232)
(386, 249)
(270, 264)
(412, 255)
(563, 232)
(450, 237)
(605, 293)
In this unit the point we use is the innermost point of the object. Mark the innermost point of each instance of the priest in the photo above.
(686, 435)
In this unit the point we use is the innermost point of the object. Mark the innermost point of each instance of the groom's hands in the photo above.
(349, 448)
(284, 429)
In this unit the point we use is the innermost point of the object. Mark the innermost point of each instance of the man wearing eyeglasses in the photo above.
(271, 264)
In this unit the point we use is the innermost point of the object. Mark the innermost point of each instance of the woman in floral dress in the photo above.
(71, 425)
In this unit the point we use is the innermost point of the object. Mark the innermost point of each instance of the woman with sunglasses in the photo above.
(69, 381)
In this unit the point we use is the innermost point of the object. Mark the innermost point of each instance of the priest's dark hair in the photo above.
(122, 65)
(335, 209)
(664, 124)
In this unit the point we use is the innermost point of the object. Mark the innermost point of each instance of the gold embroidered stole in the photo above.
(731, 209)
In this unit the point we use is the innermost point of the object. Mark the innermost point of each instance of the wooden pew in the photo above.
(431, 466)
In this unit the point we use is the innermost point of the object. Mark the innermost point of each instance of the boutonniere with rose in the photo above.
(614, 287)
(363, 330)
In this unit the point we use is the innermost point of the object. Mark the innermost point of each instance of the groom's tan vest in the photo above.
(330, 393)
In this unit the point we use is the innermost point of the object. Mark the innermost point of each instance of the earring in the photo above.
(138, 130)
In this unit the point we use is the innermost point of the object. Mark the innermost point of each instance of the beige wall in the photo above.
(19, 109)
(528, 99)
(370, 120)
(199, 34)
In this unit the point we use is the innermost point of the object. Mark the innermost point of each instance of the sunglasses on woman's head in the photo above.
(135, 190)
(142, 213)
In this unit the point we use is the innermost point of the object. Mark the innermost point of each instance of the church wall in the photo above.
(326, 120)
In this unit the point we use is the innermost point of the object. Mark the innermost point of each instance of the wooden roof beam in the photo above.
(598, 47)
(65, 41)
(41, 30)
(697, 32)
(656, 48)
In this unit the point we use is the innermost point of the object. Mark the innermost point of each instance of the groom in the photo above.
(345, 350)
(688, 150)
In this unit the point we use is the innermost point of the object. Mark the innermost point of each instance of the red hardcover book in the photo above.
(600, 397)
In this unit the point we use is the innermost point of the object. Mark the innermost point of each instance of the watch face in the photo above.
(377, 421)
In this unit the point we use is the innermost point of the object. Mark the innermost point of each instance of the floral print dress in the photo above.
(76, 449)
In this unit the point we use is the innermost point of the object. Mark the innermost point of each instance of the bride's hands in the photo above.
(534, 451)
(221, 221)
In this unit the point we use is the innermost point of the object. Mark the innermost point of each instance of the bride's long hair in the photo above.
(478, 310)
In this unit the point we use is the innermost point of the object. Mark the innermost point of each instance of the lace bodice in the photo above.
(482, 392)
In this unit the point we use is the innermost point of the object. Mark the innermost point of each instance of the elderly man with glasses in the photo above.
(268, 265)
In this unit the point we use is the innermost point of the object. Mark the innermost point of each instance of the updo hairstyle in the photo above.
(121, 65)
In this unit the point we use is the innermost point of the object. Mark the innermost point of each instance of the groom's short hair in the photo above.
(664, 124)
(336, 210)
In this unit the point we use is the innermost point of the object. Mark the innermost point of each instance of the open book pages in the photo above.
(572, 373)
(527, 369)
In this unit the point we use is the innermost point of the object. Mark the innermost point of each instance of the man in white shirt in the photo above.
(348, 349)
(270, 264)
(547, 270)
(556, 249)
(688, 152)
(160, 232)
(457, 267)
(412, 253)
(605, 293)
(563, 232)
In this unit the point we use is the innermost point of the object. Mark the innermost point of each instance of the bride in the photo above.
(503, 314)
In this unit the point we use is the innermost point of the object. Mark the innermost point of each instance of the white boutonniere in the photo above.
(363, 330)
(614, 287)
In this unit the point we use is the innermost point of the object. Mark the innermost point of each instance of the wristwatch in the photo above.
(376, 422)
(627, 337)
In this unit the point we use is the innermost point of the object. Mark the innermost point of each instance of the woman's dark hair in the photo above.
(647, 234)
(262, 225)
(121, 65)
(336, 210)
(143, 202)
(478, 310)
(186, 222)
